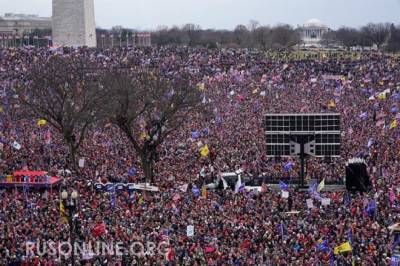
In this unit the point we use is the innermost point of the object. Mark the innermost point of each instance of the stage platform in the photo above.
(52, 182)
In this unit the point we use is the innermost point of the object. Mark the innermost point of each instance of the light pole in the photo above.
(70, 202)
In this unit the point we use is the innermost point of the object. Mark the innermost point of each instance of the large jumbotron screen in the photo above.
(282, 130)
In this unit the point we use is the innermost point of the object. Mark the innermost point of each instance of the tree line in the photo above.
(281, 36)
(382, 35)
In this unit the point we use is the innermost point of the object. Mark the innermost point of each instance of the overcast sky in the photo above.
(224, 14)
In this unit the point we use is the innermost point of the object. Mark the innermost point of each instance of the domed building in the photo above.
(312, 32)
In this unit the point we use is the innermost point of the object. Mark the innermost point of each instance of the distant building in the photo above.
(19, 24)
(312, 32)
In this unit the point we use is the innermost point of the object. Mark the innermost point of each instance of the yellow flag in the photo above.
(62, 213)
(382, 96)
(393, 124)
(143, 135)
(255, 91)
(1, 109)
(321, 185)
(331, 104)
(342, 248)
(200, 86)
(62, 209)
(204, 192)
(41, 122)
(204, 151)
(141, 200)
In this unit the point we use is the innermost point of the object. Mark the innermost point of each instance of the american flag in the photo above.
(395, 261)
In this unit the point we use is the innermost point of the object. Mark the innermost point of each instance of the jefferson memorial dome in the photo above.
(312, 32)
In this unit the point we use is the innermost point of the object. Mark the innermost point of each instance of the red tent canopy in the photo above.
(29, 173)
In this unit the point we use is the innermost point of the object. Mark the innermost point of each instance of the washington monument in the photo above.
(73, 23)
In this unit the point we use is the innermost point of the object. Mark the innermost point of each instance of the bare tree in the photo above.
(348, 37)
(193, 32)
(147, 107)
(377, 33)
(242, 35)
(284, 36)
(253, 25)
(262, 37)
(64, 93)
(329, 38)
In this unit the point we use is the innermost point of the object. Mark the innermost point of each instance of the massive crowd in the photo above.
(245, 228)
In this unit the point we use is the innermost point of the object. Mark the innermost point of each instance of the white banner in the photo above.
(325, 201)
(16, 145)
(190, 230)
(310, 203)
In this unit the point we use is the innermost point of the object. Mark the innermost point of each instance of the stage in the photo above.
(34, 179)
(53, 181)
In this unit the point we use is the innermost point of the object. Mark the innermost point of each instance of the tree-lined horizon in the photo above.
(255, 35)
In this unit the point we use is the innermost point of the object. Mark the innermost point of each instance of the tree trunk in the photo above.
(72, 163)
(147, 165)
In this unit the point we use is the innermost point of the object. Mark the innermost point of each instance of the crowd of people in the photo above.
(230, 227)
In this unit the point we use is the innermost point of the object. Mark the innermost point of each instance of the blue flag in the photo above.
(396, 242)
(346, 198)
(313, 188)
(350, 236)
(132, 197)
(313, 191)
(323, 246)
(241, 187)
(132, 171)
(283, 185)
(196, 191)
(205, 131)
(281, 229)
(363, 115)
(331, 259)
(396, 96)
(395, 261)
(370, 142)
(371, 208)
(195, 134)
(218, 120)
(288, 166)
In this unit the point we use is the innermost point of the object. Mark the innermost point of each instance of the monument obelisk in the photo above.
(73, 23)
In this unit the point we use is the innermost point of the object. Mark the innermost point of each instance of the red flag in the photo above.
(209, 250)
(99, 229)
(245, 244)
(170, 254)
